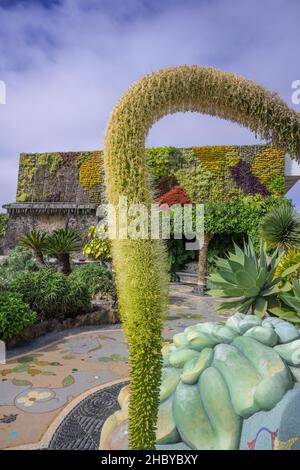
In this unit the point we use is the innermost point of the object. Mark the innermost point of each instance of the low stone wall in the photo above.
(105, 313)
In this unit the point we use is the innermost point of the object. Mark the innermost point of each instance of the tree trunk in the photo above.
(65, 263)
(202, 270)
(39, 256)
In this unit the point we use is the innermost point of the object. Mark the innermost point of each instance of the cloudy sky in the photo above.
(66, 62)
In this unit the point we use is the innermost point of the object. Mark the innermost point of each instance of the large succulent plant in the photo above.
(289, 308)
(215, 378)
(249, 279)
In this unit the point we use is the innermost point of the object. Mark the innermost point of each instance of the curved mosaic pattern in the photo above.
(80, 430)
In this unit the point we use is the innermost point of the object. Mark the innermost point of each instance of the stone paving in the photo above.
(40, 381)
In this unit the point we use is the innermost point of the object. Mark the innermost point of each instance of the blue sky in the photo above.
(66, 62)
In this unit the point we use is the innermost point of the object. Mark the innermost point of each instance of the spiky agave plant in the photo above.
(61, 243)
(290, 303)
(36, 241)
(281, 228)
(249, 279)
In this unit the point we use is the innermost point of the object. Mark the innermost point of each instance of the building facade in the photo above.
(64, 189)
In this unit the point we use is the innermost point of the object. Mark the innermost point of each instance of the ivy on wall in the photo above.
(60, 177)
(28, 167)
(274, 168)
(90, 169)
(216, 158)
(208, 173)
(216, 173)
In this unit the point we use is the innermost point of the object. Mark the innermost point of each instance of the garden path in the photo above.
(41, 382)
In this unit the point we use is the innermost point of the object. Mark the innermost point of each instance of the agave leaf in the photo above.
(260, 307)
(244, 279)
(291, 301)
(238, 254)
(290, 270)
(235, 291)
(273, 302)
(285, 314)
(216, 292)
(228, 275)
(217, 278)
(222, 262)
(286, 287)
(275, 259)
(296, 288)
(234, 266)
(276, 289)
(262, 257)
(246, 304)
(229, 304)
(291, 317)
(251, 267)
(238, 251)
(251, 291)
(261, 278)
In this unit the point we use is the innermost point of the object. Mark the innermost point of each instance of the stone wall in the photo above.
(58, 189)
(35, 218)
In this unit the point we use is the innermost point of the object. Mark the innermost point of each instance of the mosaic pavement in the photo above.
(36, 387)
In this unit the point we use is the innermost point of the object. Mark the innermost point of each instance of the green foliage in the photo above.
(276, 185)
(35, 241)
(29, 166)
(178, 256)
(281, 227)
(160, 160)
(290, 303)
(3, 224)
(221, 244)
(248, 278)
(140, 266)
(239, 216)
(99, 246)
(19, 259)
(291, 258)
(15, 315)
(52, 294)
(61, 243)
(96, 277)
(203, 185)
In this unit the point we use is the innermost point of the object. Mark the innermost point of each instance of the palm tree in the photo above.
(281, 228)
(61, 243)
(35, 241)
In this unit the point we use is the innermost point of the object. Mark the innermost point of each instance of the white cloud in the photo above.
(66, 67)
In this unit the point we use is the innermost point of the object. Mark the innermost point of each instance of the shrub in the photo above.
(248, 279)
(61, 243)
(96, 277)
(36, 242)
(99, 246)
(15, 315)
(20, 259)
(281, 227)
(3, 224)
(289, 309)
(290, 259)
(52, 294)
(176, 195)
